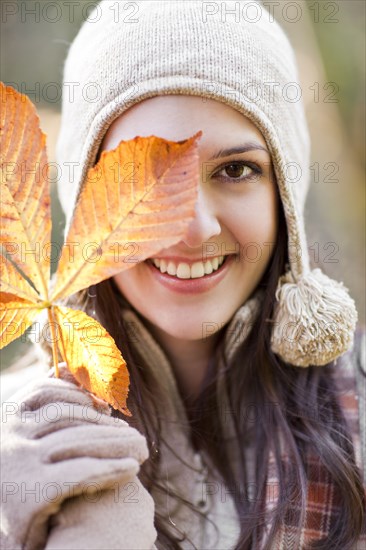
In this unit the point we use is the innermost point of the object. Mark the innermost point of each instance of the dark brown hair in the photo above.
(305, 410)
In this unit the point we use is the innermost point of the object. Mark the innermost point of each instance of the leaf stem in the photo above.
(54, 343)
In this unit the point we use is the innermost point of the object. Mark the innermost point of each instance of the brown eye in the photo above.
(236, 172)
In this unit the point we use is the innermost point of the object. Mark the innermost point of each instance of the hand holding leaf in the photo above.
(142, 194)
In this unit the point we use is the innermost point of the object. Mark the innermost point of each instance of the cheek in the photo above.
(130, 283)
(252, 221)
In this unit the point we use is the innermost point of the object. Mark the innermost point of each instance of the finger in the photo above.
(50, 390)
(61, 416)
(95, 441)
(84, 473)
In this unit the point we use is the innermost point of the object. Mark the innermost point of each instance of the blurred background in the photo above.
(329, 41)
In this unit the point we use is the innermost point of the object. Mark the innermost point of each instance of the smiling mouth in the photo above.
(183, 270)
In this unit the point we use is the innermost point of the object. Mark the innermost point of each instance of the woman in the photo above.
(236, 445)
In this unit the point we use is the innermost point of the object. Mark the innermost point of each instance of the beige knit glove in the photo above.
(57, 446)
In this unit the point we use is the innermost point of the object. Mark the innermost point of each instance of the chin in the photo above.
(189, 333)
(188, 325)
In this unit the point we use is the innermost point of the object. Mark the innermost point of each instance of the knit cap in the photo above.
(233, 52)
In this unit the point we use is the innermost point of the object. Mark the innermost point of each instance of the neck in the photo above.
(189, 360)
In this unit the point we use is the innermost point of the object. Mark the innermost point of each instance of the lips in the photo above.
(188, 269)
(191, 285)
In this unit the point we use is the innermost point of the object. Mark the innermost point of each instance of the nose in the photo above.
(205, 223)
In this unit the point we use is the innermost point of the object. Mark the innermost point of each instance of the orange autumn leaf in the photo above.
(137, 200)
(151, 211)
(25, 227)
(12, 282)
(16, 315)
(94, 366)
(25, 194)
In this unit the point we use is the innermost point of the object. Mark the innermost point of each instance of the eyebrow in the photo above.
(239, 149)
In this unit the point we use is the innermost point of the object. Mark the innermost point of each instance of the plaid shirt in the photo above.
(323, 498)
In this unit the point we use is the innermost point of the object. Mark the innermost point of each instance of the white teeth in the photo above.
(197, 270)
(162, 266)
(208, 268)
(172, 269)
(184, 271)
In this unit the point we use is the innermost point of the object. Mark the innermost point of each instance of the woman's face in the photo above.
(189, 293)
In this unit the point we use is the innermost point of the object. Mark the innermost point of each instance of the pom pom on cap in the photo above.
(314, 321)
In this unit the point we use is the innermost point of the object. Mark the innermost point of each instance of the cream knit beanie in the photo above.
(235, 53)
